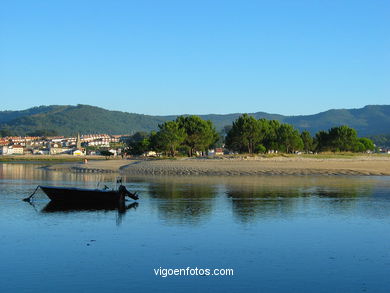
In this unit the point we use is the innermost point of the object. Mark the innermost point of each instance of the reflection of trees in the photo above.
(183, 203)
(250, 202)
(253, 201)
(342, 198)
(343, 193)
(186, 200)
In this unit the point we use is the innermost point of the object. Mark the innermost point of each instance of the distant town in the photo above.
(80, 145)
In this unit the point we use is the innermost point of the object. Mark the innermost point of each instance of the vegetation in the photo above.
(307, 141)
(106, 153)
(6, 132)
(381, 140)
(341, 139)
(69, 120)
(258, 136)
(169, 137)
(43, 132)
(139, 143)
(245, 135)
(192, 134)
(200, 134)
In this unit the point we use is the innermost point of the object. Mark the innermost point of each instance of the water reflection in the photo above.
(69, 207)
(59, 207)
(273, 199)
(182, 202)
(194, 200)
(37, 171)
(300, 232)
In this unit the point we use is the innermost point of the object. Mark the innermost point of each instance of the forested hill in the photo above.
(68, 120)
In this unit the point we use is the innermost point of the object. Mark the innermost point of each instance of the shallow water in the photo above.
(278, 234)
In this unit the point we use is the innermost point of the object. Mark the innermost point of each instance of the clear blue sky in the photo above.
(175, 57)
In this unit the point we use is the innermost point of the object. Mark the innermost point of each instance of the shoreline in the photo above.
(46, 158)
(357, 166)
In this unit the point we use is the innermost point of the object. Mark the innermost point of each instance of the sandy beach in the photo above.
(364, 165)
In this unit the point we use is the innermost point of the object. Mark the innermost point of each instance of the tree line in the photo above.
(186, 134)
(191, 134)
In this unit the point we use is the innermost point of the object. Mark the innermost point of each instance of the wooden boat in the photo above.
(83, 195)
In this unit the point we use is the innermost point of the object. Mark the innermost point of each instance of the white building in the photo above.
(4, 150)
(59, 150)
(17, 149)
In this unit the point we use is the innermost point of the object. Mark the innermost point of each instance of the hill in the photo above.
(68, 120)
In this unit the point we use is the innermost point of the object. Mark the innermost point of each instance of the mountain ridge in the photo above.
(69, 119)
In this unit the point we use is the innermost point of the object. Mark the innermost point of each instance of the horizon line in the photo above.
(197, 114)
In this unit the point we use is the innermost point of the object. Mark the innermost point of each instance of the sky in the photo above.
(195, 57)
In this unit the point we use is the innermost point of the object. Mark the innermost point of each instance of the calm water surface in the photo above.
(279, 234)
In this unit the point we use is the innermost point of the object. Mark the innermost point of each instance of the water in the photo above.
(278, 234)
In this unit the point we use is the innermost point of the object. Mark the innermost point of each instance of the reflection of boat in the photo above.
(89, 206)
(58, 206)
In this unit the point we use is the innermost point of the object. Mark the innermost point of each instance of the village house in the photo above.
(56, 144)
(16, 150)
(56, 149)
(99, 142)
(218, 152)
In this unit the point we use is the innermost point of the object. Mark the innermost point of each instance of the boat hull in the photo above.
(68, 194)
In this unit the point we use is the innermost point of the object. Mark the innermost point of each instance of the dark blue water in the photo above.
(278, 234)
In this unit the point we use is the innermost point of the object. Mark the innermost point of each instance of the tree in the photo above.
(342, 138)
(270, 134)
(289, 139)
(170, 136)
(260, 149)
(245, 134)
(307, 141)
(367, 143)
(200, 134)
(321, 141)
(359, 147)
(139, 143)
